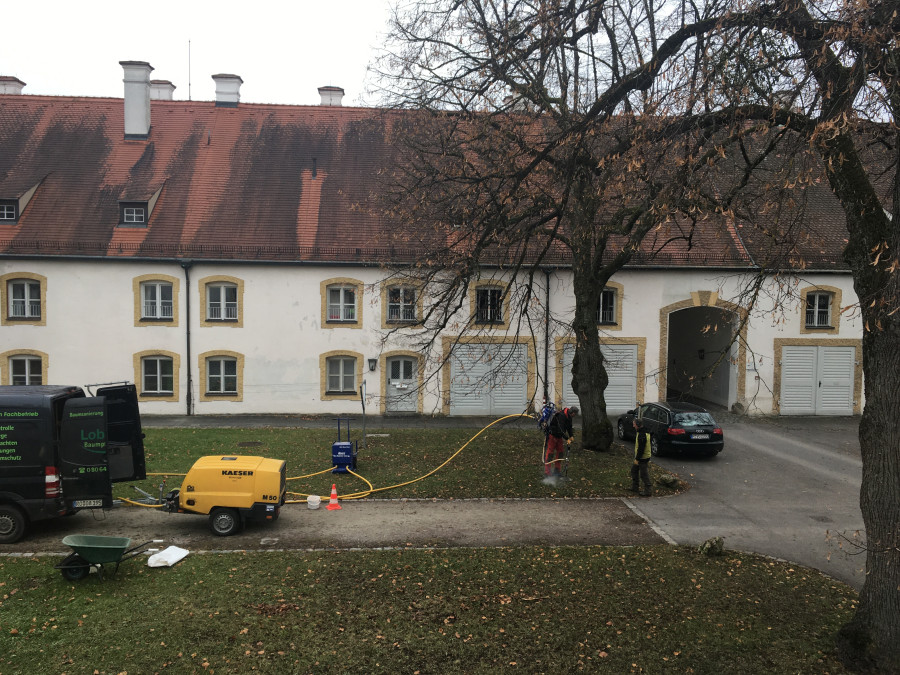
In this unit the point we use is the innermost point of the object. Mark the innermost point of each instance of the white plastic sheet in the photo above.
(167, 557)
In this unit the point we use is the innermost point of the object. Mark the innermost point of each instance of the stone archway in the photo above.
(705, 307)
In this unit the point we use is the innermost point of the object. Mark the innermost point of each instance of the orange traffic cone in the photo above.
(333, 502)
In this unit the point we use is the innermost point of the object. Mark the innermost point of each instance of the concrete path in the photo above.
(786, 487)
(374, 523)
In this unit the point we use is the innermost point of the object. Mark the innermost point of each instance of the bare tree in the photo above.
(824, 79)
(544, 128)
(543, 133)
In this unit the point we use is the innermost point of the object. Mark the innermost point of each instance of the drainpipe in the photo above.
(186, 266)
(546, 335)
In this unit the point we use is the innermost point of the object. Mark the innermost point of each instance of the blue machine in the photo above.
(343, 452)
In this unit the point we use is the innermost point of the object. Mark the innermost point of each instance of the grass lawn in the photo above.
(528, 609)
(554, 610)
(504, 461)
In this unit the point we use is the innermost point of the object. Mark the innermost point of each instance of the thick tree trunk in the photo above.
(872, 638)
(589, 378)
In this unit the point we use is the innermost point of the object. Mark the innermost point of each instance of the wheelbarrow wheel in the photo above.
(75, 568)
(224, 522)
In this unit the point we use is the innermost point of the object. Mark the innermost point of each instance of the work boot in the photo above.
(646, 492)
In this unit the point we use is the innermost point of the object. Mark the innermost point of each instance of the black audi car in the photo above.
(675, 428)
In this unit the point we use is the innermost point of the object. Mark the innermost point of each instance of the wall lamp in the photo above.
(373, 363)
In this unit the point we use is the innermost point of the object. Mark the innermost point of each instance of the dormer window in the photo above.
(9, 211)
(133, 214)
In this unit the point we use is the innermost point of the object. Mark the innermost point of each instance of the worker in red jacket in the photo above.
(558, 431)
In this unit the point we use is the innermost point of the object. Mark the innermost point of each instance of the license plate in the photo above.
(700, 437)
(87, 503)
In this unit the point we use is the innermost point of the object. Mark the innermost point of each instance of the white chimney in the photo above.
(161, 90)
(137, 98)
(10, 85)
(331, 95)
(228, 90)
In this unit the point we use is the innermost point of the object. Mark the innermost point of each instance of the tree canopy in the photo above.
(578, 127)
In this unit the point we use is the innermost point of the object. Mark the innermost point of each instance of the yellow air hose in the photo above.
(362, 495)
(354, 495)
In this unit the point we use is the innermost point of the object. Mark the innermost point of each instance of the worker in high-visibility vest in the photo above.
(641, 466)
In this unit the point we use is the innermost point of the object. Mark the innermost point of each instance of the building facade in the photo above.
(227, 258)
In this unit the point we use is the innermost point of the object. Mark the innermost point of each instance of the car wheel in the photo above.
(12, 524)
(654, 447)
(224, 522)
(621, 430)
(75, 567)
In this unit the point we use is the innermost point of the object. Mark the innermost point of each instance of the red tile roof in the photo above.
(256, 181)
(252, 182)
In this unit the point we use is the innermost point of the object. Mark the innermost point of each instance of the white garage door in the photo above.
(817, 380)
(488, 379)
(621, 367)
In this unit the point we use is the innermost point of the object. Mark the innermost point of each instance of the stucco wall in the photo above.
(90, 333)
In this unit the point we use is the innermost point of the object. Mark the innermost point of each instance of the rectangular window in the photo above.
(342, 375)
(158, 375)
(401, 304)
(7, 212)
(24, 299)
(341, 303)
(818, 310)
(489, 305)
(156, 302)
(25, 370)
(221, 376)
(606, 309)
(221, 302)
(133, 213)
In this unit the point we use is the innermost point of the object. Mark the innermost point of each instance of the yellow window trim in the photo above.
(341, 281)
(138, 362)
(5, 319)
(503, 287)
(324, 394)
(386, 286)
(619, 290)
(139, 321)
(221, 279)
(201, 367)
(5, 370)
(835, 310)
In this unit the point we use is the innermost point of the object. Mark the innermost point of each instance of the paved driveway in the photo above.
(785, 487)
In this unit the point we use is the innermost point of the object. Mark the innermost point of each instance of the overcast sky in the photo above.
(283, 51)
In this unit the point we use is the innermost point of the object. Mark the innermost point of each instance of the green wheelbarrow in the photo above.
(94, 551)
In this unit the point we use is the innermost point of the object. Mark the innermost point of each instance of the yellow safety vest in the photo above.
(645, 454)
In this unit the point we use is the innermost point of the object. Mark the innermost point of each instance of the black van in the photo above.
(61, 451)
